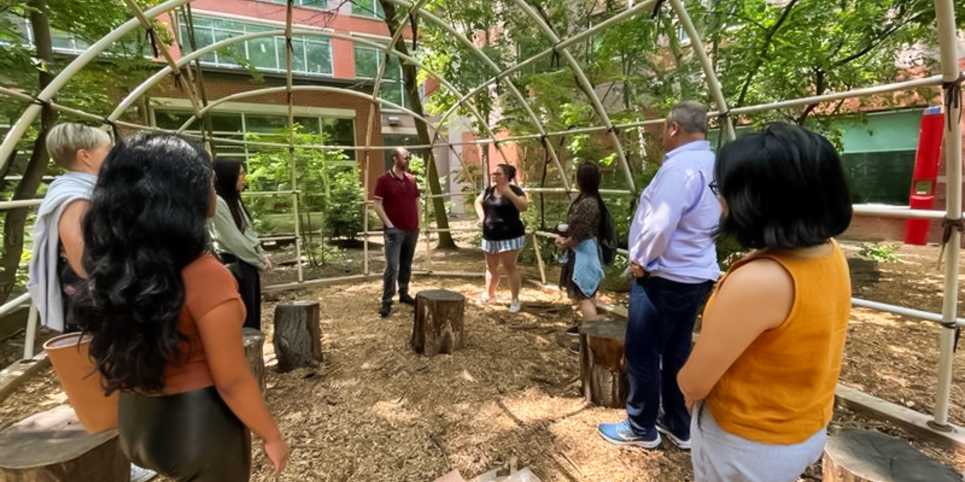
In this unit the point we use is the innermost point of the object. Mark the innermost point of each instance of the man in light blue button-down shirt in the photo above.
(674, 263)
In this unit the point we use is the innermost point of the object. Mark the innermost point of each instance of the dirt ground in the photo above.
(376, 411)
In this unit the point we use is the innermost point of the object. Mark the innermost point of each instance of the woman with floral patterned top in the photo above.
(581, 244)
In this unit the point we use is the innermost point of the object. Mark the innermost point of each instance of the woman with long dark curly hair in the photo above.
(166, 318)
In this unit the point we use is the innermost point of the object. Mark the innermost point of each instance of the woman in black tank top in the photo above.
(499, 208)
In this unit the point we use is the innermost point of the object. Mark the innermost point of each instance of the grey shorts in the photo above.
(720, 456)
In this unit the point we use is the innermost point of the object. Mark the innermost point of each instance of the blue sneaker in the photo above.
(680, 442)
(620, 433)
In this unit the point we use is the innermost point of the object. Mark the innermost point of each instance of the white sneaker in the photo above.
(515, 306)
(484, 299)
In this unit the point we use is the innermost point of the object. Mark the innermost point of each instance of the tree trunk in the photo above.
(438, 324)
(16, 219)
(297, 336)
(52, 446)
(411, 85)
(867, 456)
(254, 341)
(602, 368)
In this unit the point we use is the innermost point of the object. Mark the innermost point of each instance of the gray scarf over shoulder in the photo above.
(44, 285)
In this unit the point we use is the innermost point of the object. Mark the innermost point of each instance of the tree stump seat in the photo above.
(438, 322)
(53, 446)
(254, 341)
(602, 367)
(868, 456)
(297, 338)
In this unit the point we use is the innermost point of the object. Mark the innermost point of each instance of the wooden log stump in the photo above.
(867, 456)
(602, 369)
(438, 324)
(297, 339)
(254, 341)
(53, 446)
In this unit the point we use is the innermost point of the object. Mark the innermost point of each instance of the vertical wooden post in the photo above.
(539, 259)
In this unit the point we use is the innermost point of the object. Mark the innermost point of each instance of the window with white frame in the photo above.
(319, 4)
(68, 43)
(270, 127)
(368, 8)
(311, 55)
(367, 62)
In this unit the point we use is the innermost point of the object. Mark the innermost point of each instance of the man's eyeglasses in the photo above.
(714, 188)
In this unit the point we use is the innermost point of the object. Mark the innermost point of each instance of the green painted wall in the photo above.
(879, 155)
(891, 131)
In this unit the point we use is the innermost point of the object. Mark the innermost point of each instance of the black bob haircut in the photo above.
(784, 188)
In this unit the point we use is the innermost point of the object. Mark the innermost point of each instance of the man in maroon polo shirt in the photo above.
(397, 203)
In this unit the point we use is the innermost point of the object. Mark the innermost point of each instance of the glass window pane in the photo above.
(61, 40)
(340, 132)
(392, 92)
(366, 62)
(319, 58)
(203, 37)
(198, 21)
(367, 8)
(394, 69)
(269, 124)
(257, 27)
(309, 55)
(309, 124)
(232, 54)
(298, 54)
(170, 119)
(20, 26)
(226, 24)
(359, 7)
(261, 53)
(183, 35)
(315, 3)
(226, 122)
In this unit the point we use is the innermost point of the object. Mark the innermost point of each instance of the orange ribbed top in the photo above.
(207, 285)
(781, 389)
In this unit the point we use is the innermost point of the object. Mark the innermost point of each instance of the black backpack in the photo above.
(608, 236)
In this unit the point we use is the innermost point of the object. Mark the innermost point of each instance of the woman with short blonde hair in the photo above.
(58, 242)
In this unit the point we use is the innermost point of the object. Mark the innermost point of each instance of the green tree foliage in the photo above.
(330, 183)
(763, 51)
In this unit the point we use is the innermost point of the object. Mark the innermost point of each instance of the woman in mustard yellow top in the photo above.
(760, 381)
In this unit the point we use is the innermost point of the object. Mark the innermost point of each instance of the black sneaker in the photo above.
(386, 310)
(680, 442)
(573, 330)
(406, 299)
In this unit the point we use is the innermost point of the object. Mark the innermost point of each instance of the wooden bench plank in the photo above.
(19, 372)
(906, 418)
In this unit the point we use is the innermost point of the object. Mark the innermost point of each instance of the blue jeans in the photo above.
(658, 340)
(399, 250)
